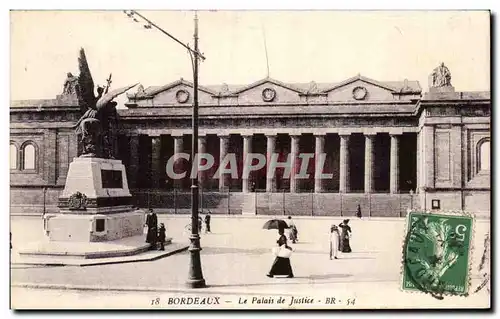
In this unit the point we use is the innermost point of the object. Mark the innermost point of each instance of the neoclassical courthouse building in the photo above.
(389, 146)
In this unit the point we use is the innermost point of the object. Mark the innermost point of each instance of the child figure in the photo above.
(162, 236)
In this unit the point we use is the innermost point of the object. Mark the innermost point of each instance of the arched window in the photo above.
(484, 155)
(13, 156)
(29, 155)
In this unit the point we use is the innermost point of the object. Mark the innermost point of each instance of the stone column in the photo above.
(155, 161)
(49, 158)
(294, 149)
(224, 146)
(179, 164)
(202, 148)
(369, 165)
(394, 170)
(134, 161)
(427, 173)
(247, 148)
(419, 159)
(271, 146)
(344, 164)
(319, 149)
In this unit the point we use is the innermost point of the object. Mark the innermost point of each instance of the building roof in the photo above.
(312, 87)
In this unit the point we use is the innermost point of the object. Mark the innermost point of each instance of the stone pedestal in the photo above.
(95, 208)
(95, 204)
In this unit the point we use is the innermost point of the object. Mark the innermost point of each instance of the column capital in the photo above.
(294, 135)
(223, 136)
(319, 134)
(344, 136)
(396, 131)
(246, 135)
(370, 134)
(176, 135)
(271, 134)
(395, 135)
(344, 132)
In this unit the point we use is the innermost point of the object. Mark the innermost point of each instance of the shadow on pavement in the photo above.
(228, 250)
(276, 281)
(326, 276)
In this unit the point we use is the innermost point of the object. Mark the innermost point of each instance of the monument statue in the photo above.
(70, 84)
(95, 127)
(441, 76)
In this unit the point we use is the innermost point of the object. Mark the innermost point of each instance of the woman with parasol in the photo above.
(281, 265)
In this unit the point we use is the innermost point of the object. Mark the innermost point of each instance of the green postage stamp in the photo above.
(437, 253)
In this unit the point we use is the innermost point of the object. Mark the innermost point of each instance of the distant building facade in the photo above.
(389, 146)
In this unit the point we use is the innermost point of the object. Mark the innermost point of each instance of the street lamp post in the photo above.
(195, 279)
(254, 190)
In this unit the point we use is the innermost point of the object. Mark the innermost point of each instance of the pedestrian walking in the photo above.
(281, 265)
(345, 236)
(162, 236)
(292, 231)
(334, 241)
(152, 233)
(358, 212)
(207, 222)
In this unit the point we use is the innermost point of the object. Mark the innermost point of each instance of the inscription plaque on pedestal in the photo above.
(111, 178)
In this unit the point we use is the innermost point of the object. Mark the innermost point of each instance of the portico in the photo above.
(337, 172)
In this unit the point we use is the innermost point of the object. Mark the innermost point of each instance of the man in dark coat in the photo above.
(207, 222)
(358, 212)
(152, 223)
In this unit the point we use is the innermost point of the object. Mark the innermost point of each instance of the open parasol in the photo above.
(275, 224)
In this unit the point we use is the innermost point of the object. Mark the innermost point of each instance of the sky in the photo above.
(324, 46)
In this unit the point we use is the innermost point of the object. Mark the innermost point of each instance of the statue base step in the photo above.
(93, 227)
(51, 252)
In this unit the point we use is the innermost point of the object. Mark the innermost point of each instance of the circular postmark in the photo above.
(435, 255)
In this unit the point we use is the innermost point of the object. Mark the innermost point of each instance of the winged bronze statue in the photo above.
(94, 128)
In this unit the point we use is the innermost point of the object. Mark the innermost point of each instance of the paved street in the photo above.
(235, 259)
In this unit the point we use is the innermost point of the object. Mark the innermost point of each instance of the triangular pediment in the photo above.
(360, 78)
(360, 88)
(177, 84)
(178, 92)
(267, 81)
(268, 90)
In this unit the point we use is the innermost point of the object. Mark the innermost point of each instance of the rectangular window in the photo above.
(100, 225)
(436, 204)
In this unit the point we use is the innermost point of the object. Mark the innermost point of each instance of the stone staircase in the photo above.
(249, 204)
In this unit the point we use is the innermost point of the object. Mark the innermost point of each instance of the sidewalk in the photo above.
(236, 257)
